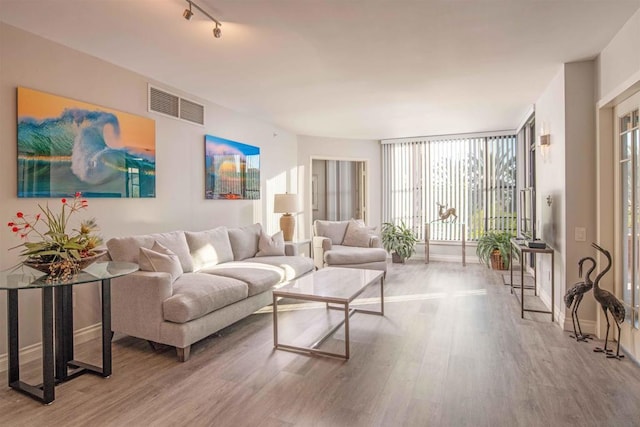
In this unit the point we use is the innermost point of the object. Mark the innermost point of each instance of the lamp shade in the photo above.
(285, 203)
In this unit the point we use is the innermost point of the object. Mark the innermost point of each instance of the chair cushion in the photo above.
(197, 294)
(340, 255)
(159, 258)
(244, 241)
(127, 249)
(292, 266)
(209, 247)
(258, 277)
(335, 230)
(270, 245)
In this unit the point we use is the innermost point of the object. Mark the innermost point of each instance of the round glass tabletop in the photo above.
(23, 277)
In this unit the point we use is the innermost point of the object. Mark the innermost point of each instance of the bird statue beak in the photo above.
(580, 270)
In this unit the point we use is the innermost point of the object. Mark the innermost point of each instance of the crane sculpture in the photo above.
(574, 296)
(608, 302)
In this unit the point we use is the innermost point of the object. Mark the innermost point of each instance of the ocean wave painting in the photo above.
(66, 146)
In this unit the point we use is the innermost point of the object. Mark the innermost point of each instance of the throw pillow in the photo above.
(244, 241)
(209, 248)
(160, 259)
(357, 234)
(271, 246)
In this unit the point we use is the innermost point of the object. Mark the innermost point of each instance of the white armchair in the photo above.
(347, 244)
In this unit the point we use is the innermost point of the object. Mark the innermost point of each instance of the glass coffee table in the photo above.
(330, 285)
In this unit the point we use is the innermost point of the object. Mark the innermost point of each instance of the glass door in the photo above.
(628, 140)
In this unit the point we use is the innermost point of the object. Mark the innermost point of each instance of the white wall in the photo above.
(30, 61)
(550, 181)
(619, 61)
(566, 172)
(310, 147)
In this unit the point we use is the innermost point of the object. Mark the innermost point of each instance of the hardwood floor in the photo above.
(450, 351)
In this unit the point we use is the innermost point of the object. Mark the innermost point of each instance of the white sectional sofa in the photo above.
(192, 284)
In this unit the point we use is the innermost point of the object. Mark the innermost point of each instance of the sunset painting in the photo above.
(67, 146)
(232, 170)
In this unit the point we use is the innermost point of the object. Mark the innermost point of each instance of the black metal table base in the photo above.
(58, 365)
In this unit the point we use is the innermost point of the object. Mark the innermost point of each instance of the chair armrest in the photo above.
(320, 246)
(136, 303)
(375, 242)
(322, 242)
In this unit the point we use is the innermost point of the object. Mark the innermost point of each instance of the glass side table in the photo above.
(58, 365)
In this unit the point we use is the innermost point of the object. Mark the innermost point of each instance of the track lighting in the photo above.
(188, 13)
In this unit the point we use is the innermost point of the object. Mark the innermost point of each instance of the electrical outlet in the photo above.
(580, 234)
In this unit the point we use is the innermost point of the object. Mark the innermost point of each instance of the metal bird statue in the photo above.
(608, 302)
(574, 296)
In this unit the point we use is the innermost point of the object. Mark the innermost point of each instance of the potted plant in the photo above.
(494, 249)
(399, 240)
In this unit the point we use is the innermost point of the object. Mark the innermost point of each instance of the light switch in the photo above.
(580, 234)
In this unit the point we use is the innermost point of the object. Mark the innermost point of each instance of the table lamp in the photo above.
(286, 204)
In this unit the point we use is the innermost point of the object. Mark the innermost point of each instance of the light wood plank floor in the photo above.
(451, 351)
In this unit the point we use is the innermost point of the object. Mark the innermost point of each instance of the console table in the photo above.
(427, 239)
(58, 365)
(520, 246)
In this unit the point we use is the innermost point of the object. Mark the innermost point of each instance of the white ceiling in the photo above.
(343, 68)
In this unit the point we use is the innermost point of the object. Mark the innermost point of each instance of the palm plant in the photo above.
(399, 240)
(495, 243)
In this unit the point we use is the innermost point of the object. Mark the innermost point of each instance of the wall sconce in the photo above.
(545, 140)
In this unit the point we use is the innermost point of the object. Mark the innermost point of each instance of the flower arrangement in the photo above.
(61, 250)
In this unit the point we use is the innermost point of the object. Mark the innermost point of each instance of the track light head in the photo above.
(217, 32)
(187, 14)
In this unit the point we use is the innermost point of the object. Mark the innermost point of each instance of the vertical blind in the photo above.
(474, 175)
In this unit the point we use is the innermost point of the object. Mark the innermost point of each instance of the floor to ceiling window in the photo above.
(475, 175)
(628, 137)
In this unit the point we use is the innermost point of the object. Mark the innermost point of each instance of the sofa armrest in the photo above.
(320, 246)
(136, 303)
(290, 249)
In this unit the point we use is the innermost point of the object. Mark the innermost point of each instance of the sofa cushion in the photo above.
(197, 294)
(127, 249)
(270, 245)
(339, 255)
(335, 230)
(209, 247)
(244, 241)
(357, 234)
(258, 277)
(160, 259)
(292, 266)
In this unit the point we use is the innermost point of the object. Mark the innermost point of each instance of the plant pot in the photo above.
(51, 269)
(395, 258)
(497, 263)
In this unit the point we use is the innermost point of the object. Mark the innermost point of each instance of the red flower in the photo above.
(20, 215)
(11, 224)
(26, 225)
(23, 236)
(64, 200)
(37, 217)
(85, 203)
(15, 229)
(78, 194)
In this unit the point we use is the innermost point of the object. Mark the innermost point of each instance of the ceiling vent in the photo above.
(174, 106)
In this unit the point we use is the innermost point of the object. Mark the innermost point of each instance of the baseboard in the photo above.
(34, 351)
(454, 258)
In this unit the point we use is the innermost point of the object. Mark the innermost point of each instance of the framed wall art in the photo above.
(67, 146)
(232, 170)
